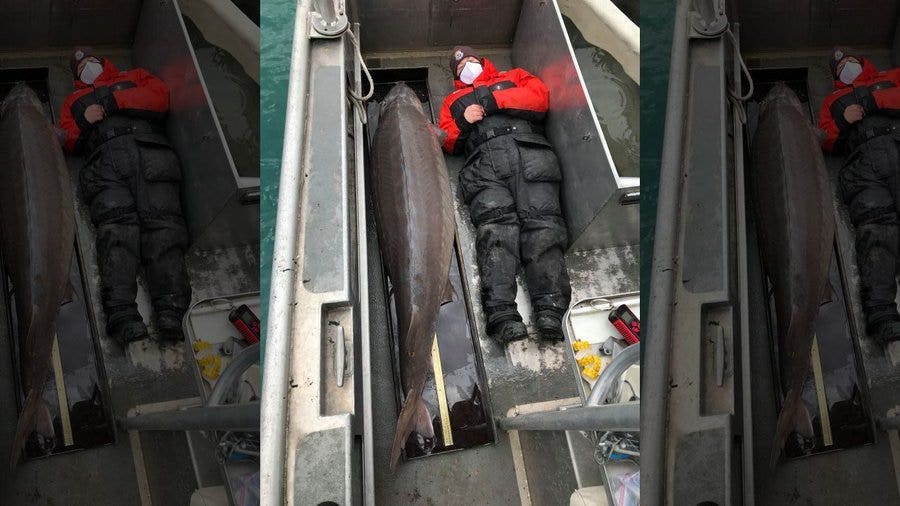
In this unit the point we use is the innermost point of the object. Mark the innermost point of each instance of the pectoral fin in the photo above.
(440, 134)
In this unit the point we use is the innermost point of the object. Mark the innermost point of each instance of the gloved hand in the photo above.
(106, 99)
(485, 97)
(865, 99)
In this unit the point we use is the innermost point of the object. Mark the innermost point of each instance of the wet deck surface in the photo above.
(524, 372)
(863, 475)
(145, 372)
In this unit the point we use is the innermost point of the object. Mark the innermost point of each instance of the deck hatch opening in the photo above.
(847, 420)
(86, 421)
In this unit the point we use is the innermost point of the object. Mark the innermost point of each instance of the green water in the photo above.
(236, 96)
(656, 43)
(616, 99)
(277, 30)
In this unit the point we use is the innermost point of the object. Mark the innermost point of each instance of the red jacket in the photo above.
(134, 92)
(877, 91)
(514, 92)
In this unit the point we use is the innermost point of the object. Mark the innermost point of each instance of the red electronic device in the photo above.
(626, 323)
(246, 322)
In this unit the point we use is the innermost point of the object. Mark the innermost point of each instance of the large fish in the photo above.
(792, 196)
(38, 227)
(414, 212)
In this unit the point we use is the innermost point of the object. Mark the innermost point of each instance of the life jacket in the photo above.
(878, 92)
(135, 94)
(514, 101)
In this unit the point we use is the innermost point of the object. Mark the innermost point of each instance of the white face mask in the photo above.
(470, 72)
(849, 72)
(90, 72)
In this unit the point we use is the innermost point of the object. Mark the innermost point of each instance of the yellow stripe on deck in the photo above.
(820, 393)
(61, 395)
(441, 393)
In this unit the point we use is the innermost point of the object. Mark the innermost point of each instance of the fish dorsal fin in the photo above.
(449, 294)
(69, 295)
(828, 296)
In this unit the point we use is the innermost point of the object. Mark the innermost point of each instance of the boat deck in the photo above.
(523, 372)
(142, 373)
(870, 469)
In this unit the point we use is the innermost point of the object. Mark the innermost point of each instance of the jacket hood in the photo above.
(489, 71)
(109, 70)
(868, 72)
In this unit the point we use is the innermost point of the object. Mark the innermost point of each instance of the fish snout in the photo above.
(401, 93)
(21, 93)
(781, 93)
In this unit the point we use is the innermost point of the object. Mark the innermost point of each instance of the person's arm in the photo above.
(520, 94)
(829, 126)
(886, 99)
(72, 127)
(149, 95)
(452, 121)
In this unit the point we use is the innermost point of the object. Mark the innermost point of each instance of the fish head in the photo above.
(780, 94)
(21, 93)
(401, 94)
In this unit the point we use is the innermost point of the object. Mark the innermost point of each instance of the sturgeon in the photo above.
(38, 227)
(793, 200)
(416, 226)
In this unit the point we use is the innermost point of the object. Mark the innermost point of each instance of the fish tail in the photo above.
(793, 416)
(411, 420)
(25, 425)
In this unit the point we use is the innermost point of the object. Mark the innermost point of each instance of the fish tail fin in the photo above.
(423, 421)
(793, 416)
(25, 425)
(410, 420)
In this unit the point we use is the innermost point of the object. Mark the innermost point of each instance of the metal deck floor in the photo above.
(142, 373)
(524, 372)
(864, 475)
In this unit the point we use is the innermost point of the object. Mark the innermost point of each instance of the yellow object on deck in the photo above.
(208, 359)
(590, 365)
(581, 345)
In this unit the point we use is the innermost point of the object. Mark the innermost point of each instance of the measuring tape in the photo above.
(441, 392)
(68, 440)
(820, 393)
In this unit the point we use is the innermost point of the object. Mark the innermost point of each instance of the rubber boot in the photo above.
(168, 324)
(886, 332)
(129, 332)
(509, 331)
(549, 324)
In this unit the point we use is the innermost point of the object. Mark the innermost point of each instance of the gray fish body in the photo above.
(416, 228)
(38, 227)
(793, 201)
